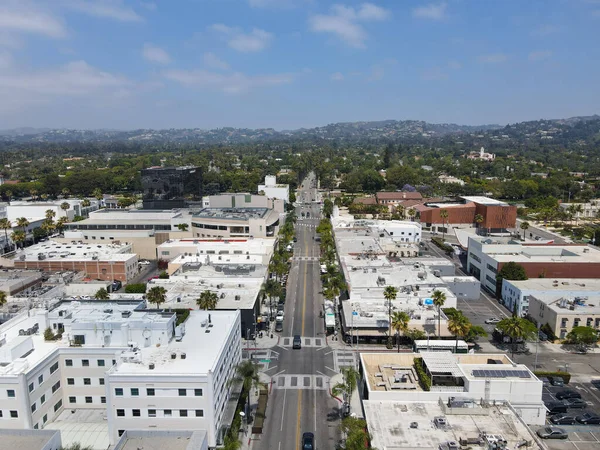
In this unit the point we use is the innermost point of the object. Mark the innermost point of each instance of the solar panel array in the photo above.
(501, 373)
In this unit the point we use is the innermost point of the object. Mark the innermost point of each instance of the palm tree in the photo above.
(23, 223)
(246, 373)
(389, 293)
(3, 298)
(65, 207)
(48, 226)
(18, 236)
(478, 219)
(207, 300)
(50, 214)
(102, 294)
(400, 321)
(524, 226)
(458, 325)
(65, 193)
(5, 225)
(60, 224)
(34, 193)
(516, 328)
(8, 195)
(412, 212)
(85, 203)
(347, 387)
(157, 295)
(182, 226)
(444, 216)
(439, 298)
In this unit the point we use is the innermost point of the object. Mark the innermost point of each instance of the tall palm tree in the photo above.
(400, 321)
(478, 220)
(246, 373)
(458, 325)
(524, 226)
(5, 225)
(101, 294)
(516, 328)
(347, 387)
(8, 195)
(390, 293)
(48, 226)
(50, 214)
(439, 298)
(207, 300)
(18, 236)
(3, 298)
(66, 193)
(65, 206)
(156, 295)
(23, 223)
(97, 193)
(412, 212)
(444, 216)
(33, 193)
(85, 203)
(60, 224)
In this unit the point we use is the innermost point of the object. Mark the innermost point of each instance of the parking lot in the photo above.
(581, 437)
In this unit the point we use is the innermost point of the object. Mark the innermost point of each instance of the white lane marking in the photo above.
(283, 413)
(315, 414)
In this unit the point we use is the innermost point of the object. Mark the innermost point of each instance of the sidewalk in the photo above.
(246, 435)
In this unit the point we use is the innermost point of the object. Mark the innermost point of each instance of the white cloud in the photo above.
(271, 3)
(338, 76)
(25, 17)
(106, 9)
(433, 11)
(229, 83)
(154, 54)
(539, 55)
(345, 22)
(495, 58)
(454, 65)
(212, 61)
(254, 41)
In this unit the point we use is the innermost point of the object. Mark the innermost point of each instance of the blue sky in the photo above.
(294, 63)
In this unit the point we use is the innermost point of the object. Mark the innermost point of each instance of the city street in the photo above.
(300, 400)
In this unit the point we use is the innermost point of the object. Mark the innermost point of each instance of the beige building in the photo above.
(564, 313)
(222, 223)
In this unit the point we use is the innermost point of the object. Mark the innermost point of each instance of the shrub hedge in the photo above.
(440, 243)
(424, 379)
(259, 419)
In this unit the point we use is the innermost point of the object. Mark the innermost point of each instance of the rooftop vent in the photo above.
(173, 355)
(151, 366)
(183, 356)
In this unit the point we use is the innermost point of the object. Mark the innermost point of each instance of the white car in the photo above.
(144, 262)
(492, 320)
(279, 317)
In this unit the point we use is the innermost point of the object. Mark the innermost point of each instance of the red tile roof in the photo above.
(399, 196)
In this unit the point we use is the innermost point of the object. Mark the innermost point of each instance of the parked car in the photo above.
(567, 393)
(279, 326)
(588, 419)
(308, 441)
(596, 383)
(297, 342)
(545, 381)
(556, 408)
(542, 336)
(552, 433)
(492, 320)
(575, 403)
(562, 419)
(557, 381)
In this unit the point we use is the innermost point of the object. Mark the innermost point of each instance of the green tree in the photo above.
(85, 203)
(390, 293)
(414, 334)
(101, 294)
(135, 288)
(355, 432)
(400, 321)
(475, 332)
(478, 220)
(517, 328)
(509, 271)
(207, 300)
(50, 214)
(459, 325)
(439, 298)
(48, 334)
(5, 225)
(444, 217)
(582, 337)
(3, 298)
(412, 212)
(60, 224)
(65, 206)
(97, 194)
(157, 295)
(18, 237)
(524, 226)
(66, 193)
(23, 223)
(183, 226)
(348, 385)
(246, 374)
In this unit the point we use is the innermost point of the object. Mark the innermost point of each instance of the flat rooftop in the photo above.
(562, 304)
(221, 246)
(389, 424)
(543, 253)
(25, 439)
(202, 344)
(157, 442)
(562, 286)
(244, 214)
(484, 200)
(115, 215)
(87, 427)
(56, 251)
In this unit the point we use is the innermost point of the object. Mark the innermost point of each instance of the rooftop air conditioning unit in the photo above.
(183, 356)
(173, 355)
(151, 366)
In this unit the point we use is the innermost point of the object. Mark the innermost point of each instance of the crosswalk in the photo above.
(306, 342)
(290, 381)
(306, 258)
(343, 358)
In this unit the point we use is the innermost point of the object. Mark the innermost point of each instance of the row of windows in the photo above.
(11, 414)
(491, 268)
(42, 401)
(86, 381)
(88, 399)
(490, 279)
(209, 227)
(475, 257)
(151, 392)
(119, 227)
(86, 362)
(165, 413)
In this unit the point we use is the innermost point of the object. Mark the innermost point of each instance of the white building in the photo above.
(174, 248)
(588, 210)
(274, 190)
(449, 179)
(111, 357)
(34, 211)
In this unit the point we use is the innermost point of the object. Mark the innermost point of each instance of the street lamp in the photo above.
(244, 422)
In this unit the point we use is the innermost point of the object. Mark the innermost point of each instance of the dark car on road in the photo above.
(297, 342)
(588, 419)
(279, 326)
(567, 393)
(596, 383)
(308, 441)
(552, 433)
(557, 381)
(575, 403)
(562, 419)
(556, 408)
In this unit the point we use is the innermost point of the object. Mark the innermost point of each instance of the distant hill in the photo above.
(385, 130)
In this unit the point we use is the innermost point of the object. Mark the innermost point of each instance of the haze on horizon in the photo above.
(288, 64)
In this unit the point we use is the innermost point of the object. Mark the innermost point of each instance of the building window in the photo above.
(70, 381)
(114, 361)
(168, 413)
(31, 387)
(198, 392)
(135, 412)
(100, 363)
(150, 392)
(88, 399)
(183, 413)
(56, 387)
(72, 399)
(182, 392)
(69, 362)
(119, 392)
(101, 381)
(43, 399)
(45, 418)
(490, 279)
(58, 405)
(10, 393)
(85, 362)
(102, 399)
(87, 381)
(36, 426)
(151, 413)
(53, 368)
(121, 432)
(199, 413)
(14, 414)
(33, 407)
(135, 392)
(120, 413)
(40, 379)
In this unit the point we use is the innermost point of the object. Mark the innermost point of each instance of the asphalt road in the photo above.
(300, 400)
(533, 232)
